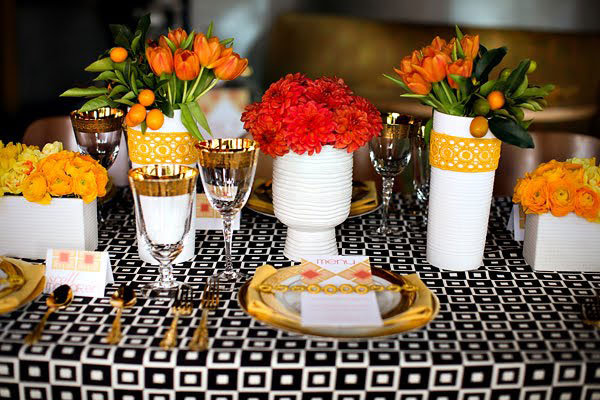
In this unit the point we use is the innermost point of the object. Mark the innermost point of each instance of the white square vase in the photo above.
(568, 243)
(28, 229)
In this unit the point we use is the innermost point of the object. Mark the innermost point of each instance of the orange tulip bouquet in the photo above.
(162, 76)
(454, 78)
(560, 200)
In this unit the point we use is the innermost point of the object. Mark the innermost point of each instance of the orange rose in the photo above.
(433, 65)
(35, 189)
(208, 50)
(462, 67)
(160, 60)
(562, 193)
(176, 37)
(229, 67)
(535, 198)
(587, 203)
(416, 83)
(187, 65)
(470, 46)
(85, 186)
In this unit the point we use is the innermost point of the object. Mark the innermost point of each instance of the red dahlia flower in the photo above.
(332, 92)
(309, 126)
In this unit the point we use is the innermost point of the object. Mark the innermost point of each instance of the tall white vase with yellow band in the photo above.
(461, 184)
(171, 144)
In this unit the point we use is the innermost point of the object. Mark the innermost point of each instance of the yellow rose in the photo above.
(84, 185)
(35, 189)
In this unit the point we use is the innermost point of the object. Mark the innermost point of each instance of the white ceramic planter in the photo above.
(171, 144)
(312, 195)
(28, 230)
(568, 243)
(459, 202)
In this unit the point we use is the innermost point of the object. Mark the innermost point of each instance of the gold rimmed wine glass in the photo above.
(98, 133)
(227, 168)
(390, 153)
(163, 196)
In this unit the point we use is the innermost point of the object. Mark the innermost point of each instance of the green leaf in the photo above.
(510, 132)
(148, 79)
(532, 92)
(122, 66)
(167, 109)
(106, 76)
(459, 49)
(95, 103)
(171, 45)
(121, 77)
(464, 84)
(459, 34)
(487, 62)
(129, 96)
(143, 24)
(121, 34)
(526, 106)
(226, 42)
(125, 101)
(516, 77)
(428, 128)
(118, 89)
(413, 95)
(133, 83)
(104, 64)
(144, 126)
(209, 30)
(521, 88)
(199, 116)
(84, 92)
(136, 41)
(188, 41)
(398, 82)
(188, 121)
(486, 88)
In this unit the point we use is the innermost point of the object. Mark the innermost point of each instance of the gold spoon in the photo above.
(124, 297)
(60, 298)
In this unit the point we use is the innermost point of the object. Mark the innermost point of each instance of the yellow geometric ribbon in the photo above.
(453, 153)
(161, 147)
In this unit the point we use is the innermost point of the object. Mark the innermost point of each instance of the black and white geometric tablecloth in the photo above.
(503, 332)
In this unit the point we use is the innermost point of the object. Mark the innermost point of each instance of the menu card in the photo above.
(207, 218)
(87, 272)
(339, 309)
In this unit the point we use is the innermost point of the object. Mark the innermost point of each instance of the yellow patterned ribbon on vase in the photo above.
(453, 153)
(161, 147)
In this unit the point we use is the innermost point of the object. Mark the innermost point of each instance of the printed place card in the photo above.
(516, 223)
(339, 309)
(87, 272)
(207, 218)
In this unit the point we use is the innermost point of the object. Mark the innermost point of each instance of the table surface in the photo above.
(503, 330)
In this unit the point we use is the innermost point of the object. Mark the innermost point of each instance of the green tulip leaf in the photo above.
(171, 45)
(226, 42)
(510, 132)
(398, 82)
(487, 62)
(101, 65)
(459, 34)
(188, 121)
(199, 116)
(84, 92)
(187, 43)
(209, 30)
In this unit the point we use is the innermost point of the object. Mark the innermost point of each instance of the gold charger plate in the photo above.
(11, 277)
(364, 198)
(400, 311)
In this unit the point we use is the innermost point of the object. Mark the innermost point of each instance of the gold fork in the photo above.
(182, 306)
(210, 301)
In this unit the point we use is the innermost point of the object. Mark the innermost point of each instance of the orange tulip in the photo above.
(416, 83)
(208, 50)
(230, 67)
(187, 65)
(176, 37)
(438, 43)
(160, 60)
(448, 48)
(433, 66)
(470, 46)
(462, 67)
(407, 64)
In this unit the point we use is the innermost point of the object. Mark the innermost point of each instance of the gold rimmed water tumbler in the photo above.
(227, 168)
(163, 196)
(390, 153)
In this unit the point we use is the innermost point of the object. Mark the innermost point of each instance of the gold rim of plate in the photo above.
(414, 310)
(12, 271)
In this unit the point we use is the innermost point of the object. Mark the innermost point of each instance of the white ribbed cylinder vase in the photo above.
(171, 144)
(311, 196)
(460, 194)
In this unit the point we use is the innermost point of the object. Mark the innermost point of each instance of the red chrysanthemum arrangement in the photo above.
(303, 115)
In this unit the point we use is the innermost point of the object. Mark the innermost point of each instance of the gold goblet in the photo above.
(227, 168)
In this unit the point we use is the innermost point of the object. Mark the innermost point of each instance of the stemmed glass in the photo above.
(227, 168)
(98, 133)
(390, 153)
(163, 196)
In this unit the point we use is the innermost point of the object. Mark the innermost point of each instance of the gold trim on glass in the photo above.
(397, 126)
(227, 153)
(417, 306)
(104, 119)
(163, 180)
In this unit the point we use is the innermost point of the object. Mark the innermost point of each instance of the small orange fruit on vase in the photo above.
(496, 100)
(118, 54)
(478, 127)
(146, 97)
(129, 122)
(137, 113)
(155, 119)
